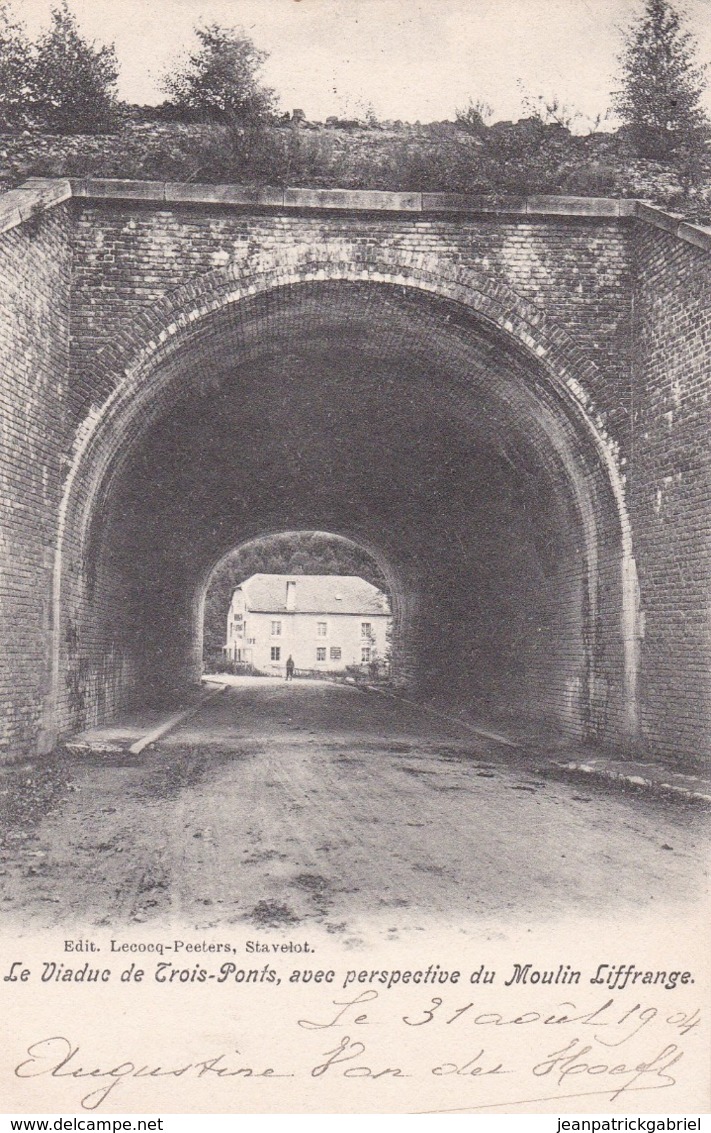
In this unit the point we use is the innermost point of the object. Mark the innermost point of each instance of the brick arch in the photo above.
(123, 367)
(131, 372)
(151, 337)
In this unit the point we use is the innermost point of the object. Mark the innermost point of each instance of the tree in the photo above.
(14, 72)
(659, 100)
(73, 82)
(219, 82)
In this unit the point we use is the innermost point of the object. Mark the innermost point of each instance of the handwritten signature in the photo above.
(57, 1057)
(576, 1062)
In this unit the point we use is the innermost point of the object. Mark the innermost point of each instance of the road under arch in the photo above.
(397, 419)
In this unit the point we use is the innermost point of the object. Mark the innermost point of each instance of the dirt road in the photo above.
(292, 805)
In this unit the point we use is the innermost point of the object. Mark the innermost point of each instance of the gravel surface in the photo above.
(285, 806)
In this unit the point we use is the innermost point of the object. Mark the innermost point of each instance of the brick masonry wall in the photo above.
(670, 487)
(575, 270)
(593, 281)
(35, 270)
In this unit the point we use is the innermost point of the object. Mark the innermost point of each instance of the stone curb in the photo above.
(644, 782)
(495, 736)
(172, 722)
(361, 200)
(648, 783)
(33, 197)
(40, 193)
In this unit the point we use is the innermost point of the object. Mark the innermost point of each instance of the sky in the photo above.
(416, 60)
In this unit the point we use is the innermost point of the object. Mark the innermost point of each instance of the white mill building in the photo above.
(323, 621)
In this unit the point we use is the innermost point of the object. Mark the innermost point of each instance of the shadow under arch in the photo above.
(148, 378)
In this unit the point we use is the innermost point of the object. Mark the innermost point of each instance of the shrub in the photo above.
(219, 81)
(71, 81)
(526, 156)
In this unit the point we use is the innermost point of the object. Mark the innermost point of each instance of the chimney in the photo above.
(291, 595)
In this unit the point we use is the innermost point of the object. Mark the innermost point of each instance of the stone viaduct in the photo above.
(508, 406)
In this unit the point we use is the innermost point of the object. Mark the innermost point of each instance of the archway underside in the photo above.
(395, 419)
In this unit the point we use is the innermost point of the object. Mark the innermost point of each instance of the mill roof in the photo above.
(314, 594)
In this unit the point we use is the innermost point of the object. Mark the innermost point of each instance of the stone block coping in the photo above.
(40, 193)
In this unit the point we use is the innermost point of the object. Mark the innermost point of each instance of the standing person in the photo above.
(290, 668)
